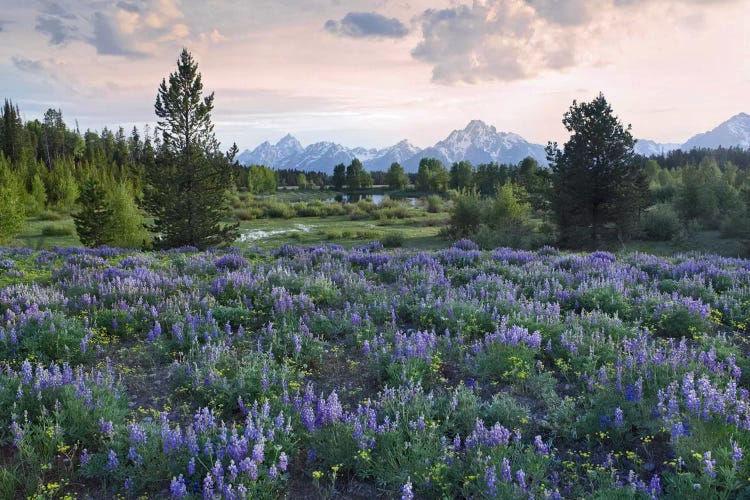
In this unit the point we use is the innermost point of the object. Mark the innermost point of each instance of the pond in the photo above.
(377, 199)
(262, 234)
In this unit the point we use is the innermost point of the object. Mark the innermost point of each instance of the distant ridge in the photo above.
(735, 132)
(477, 143)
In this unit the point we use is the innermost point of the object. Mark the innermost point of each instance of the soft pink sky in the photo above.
(370, 73)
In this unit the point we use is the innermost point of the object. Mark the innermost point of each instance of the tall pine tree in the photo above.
(597, 182)
(91, 219)
(187, 183)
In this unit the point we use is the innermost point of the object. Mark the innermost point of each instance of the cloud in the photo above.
(108, 38)
(130, 7)
(494, 40)
(563, 12)
(57, 28)
(27, 65)
(127, 28)
(367, 25)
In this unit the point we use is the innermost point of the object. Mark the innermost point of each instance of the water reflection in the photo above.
(377, 199)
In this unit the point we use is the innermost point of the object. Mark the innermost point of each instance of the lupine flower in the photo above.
(708, 465)
(112, 462)
(521, 478)
(655, 486)
(406, 491)
(490, 479)
(208, 487)
(178, 488)
(506, 471)
(736, 454)
(541, 447)
(106, 427)
(618, 422)
(17, 431)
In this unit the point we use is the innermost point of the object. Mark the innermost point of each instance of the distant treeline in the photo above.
(738, 156)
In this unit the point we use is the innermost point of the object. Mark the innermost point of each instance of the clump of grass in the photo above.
(393, 240)
(57, 230)
(49, 215)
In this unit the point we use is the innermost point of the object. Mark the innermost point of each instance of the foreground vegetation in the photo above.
(314, 371)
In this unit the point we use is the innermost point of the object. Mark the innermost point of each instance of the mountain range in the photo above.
(734, 132)
(477, 143)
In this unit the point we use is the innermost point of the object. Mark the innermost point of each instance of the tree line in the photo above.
(170, 186)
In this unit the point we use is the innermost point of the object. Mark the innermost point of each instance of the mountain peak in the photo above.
(475, 126)
(287, 140)
(733, 132)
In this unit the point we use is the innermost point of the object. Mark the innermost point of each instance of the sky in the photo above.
(371, 73)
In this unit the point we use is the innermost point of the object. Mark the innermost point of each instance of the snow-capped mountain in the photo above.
(267, 154)
(477, 143)
(323, 156)
(733, 132)
(646, 147)
(398, 153)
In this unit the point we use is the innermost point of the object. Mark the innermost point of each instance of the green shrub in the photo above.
(279, 210)
(49, 215)
(248, 213)
(661, 223)
(466, 215)
(607, 300)
(357, 214)
(365, 234)
(57, 230)
(392, 240)
(434, 204)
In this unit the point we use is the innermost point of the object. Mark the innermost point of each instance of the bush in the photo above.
(466, 215)
(392, 240)
(49, 215)
(735, 225)
(365, 234)
(57, 230)
(397, 212)
(434, 204)
(248, 213)
(279, 210)
(661, 223)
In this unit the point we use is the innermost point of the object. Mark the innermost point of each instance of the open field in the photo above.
(322, 371)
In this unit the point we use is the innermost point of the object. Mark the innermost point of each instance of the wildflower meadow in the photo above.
(315, 372)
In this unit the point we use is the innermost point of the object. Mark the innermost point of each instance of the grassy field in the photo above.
(417, 228)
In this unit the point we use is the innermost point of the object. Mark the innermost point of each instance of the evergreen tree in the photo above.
(396, 177)
(339, 176)
(356, 176)
(124, 226)
(595, 175)
(462, 175)
(12, 214)
(188, 181)
(432, 175)
(91, 219)
(11, 132)
(38, 196)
